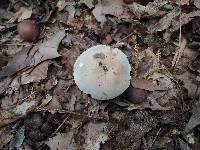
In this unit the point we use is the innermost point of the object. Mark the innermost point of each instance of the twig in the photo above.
(58, 128)
(155, 138)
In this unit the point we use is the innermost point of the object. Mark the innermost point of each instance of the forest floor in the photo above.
(42, 108)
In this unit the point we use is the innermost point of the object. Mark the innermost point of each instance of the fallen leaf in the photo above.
(151, 9)
(190, 83)
(45, 101)
(36, 74)
(24, 108)
(18, 62)
(194, 119)
(105, 7)
(183, 19)
(69, 57)
(23, 13)
(4, 83)
(197, 3)
(7, 117)
(95, 135)
(5, 136)
(182, 2)
(88, 3)
(71, 12)
(146, 85)
(28, 58)
(26, 13)
(152, 104)
(164, 22)
(62, 141)
(48, 49)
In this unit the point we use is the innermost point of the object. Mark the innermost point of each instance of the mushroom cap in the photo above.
(103, 72)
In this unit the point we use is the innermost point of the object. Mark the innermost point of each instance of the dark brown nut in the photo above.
(28, 30)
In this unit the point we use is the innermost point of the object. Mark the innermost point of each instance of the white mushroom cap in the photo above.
(103, 72)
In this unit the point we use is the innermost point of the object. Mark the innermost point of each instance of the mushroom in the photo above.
(103, 72)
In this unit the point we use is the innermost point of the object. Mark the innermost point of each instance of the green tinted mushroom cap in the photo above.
(103, 72)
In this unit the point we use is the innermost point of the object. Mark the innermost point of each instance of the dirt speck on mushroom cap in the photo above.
(103, 72)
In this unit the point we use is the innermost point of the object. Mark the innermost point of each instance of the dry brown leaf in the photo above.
(7, 117)
(18, 62)
(190, 83)
(28, 58)
(182, 2)
(152, 8)
(105, 7)
(23, 13)
(48, 49)
(36, 74)
(62, 141)
(61, 4)
(185, 18)
(88, 3)
(5, 136)
(197, 3)
(164, 22)
(95, 135)
(153, 106)
(146, 85)
(195, 118)
(69, 58)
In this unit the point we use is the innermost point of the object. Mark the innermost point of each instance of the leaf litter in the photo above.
(37, 77)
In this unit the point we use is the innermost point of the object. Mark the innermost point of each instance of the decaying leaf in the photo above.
(62, 141)
(61, 4)
(26, 13)
(29, 58)
(190, 83)
(95, 135)
(25, 107)
(195, 118)
(197, 3)
(152, 8)
(151, 104)
(183, 19)
(5, 136)
(36, 74)
(165, 22)
(7, 117)
(69, 57)
(23, 13)
(146, 85)
(45, 101)
(18, 62)
(48, 49)
(105, 7)
(88, 3)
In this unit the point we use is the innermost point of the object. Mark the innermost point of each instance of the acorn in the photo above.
(135, 95)
(128, 1)
(28, 30)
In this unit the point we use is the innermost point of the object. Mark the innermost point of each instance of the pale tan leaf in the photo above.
(183, 19)
(197, 3)
(36, 74)
(7, 117)
(146, 85)
(164, 22)
(62, 141)
(105, 7)
(26, 13)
